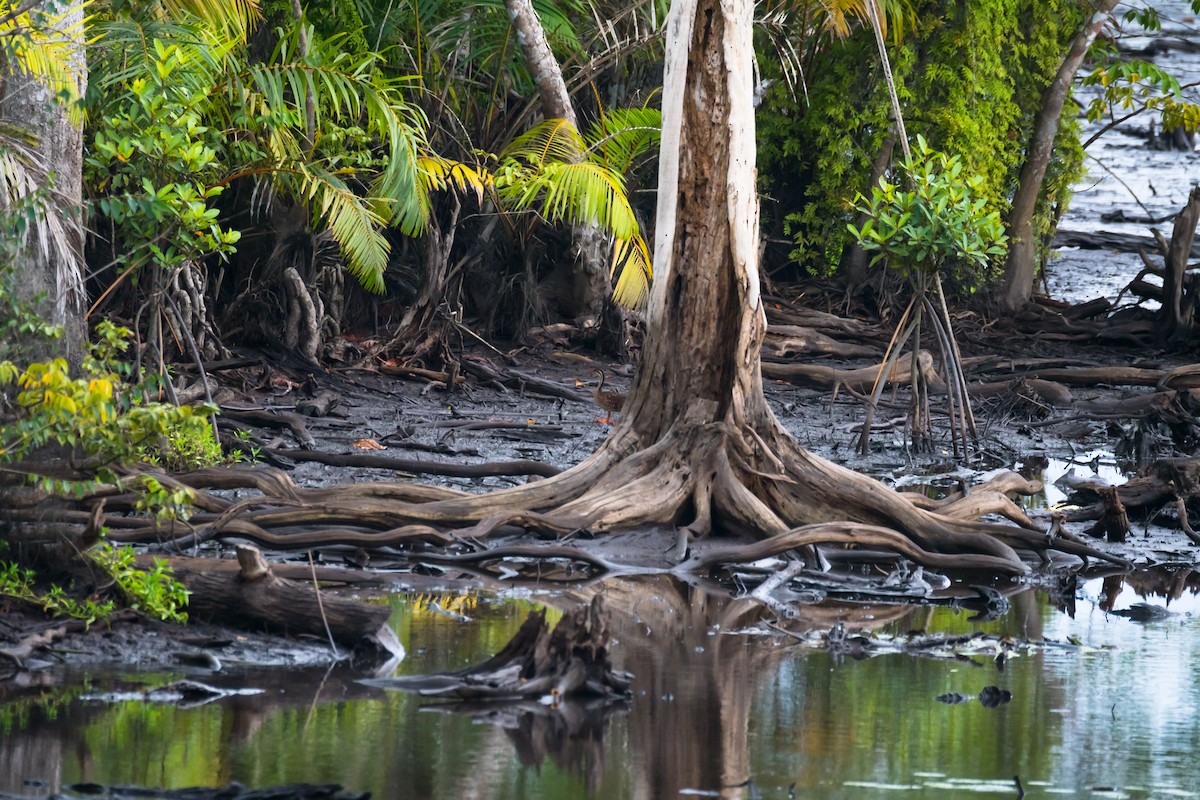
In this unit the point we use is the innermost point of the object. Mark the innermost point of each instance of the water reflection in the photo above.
(722, 706)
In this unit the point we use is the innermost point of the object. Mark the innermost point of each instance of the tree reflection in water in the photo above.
(699, 658)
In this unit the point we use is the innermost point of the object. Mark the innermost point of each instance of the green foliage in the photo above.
(97, 415)
(19, 321)
(164, 503)
(970, 77)
(236, 118)
(154, 591)
(19, 582)
(157, 163)
(941, 221)
(1133, 86)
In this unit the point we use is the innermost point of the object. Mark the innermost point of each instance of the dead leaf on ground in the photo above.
(367, 444)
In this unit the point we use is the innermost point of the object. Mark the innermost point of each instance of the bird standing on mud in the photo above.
(611, 402)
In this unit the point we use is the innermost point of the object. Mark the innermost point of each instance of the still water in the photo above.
(721, 708)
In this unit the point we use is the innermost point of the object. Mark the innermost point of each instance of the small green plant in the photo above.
(164, 503)
(935, 223)
(158, 163)
(250, 453)
(100, 416)
(19, 582)
(938, 222)
(154, 591)
(187, 448)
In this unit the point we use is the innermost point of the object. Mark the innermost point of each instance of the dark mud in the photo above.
(404, 418)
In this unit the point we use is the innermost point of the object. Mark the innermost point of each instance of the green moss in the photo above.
(967, 81)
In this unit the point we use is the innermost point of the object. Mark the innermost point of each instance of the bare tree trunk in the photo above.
(51, 266)
(591, 285)
(707, 227)
(1022, 248)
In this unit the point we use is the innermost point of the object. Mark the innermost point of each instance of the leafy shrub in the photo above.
(940, 222)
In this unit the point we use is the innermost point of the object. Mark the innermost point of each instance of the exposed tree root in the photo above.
(707, 478)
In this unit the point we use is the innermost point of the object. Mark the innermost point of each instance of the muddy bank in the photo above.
(419, 422)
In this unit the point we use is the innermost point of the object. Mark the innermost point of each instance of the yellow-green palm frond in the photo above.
(891, 13)
(236, 18)
(554, 140)
(46, 46)
(581, 194)
(439, 174)
(351, 220)
(624, 135)
(631, 258)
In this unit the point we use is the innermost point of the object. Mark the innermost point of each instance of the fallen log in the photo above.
(1119, 376)
(785, 340)
(1110, 240)
(247, 594)
(859, 380)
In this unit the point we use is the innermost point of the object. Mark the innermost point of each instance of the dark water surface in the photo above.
(717, 703)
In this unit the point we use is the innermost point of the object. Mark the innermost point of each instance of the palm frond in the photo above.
(351, 221)
(440, 174)
(347, 89)
(631, 257)
(581, 194)
(236, 18)
(624, 135)
(554, 140)
(48, 221)
(124, 49)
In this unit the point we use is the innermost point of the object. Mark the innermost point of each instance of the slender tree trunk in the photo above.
(591, 287)
(1022, 253)
(51, 266)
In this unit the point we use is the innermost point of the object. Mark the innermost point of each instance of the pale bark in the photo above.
(1022, 248)
(591, 284)
(552, 89)
(51, 266)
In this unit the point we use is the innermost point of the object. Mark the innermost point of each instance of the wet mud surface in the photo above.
(404, 419)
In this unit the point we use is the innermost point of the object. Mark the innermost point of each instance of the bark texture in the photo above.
(51, 266)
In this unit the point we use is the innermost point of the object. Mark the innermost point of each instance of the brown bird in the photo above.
(609, 401)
